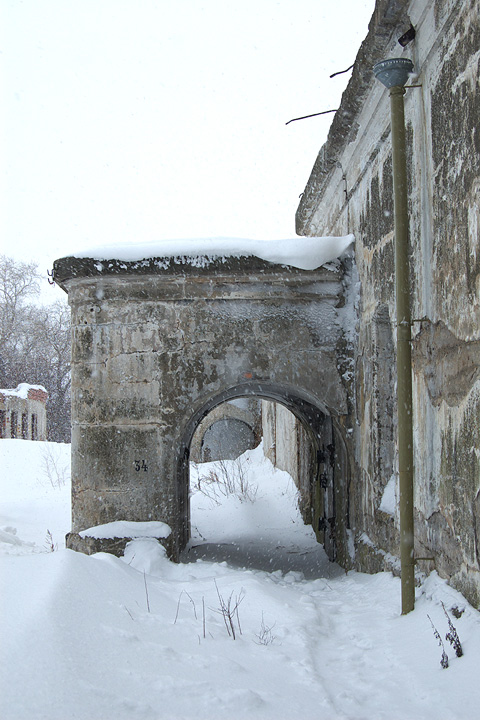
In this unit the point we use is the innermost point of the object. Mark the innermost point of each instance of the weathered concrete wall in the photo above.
(350, 190)
(269, 431)
(159, 343)
(280, 427)
(321, 471)
(289, 446)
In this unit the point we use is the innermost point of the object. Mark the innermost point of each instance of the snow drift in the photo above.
(103, 638)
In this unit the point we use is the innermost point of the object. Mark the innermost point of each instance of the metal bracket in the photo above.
(417, 559)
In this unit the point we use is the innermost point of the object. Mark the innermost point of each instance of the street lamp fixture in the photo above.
(393, 72)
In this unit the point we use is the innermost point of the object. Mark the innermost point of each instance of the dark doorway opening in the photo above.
(315, 470)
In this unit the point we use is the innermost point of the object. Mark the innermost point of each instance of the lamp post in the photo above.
(393, 74)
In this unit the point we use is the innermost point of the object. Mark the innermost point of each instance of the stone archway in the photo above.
(157, 344)
(232, 427)
(226, 439)
(325, 470)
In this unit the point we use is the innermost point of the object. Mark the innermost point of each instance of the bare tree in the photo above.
(18, 283)
(35, 342)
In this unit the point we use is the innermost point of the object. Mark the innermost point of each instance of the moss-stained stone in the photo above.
(350, 188)
(450, 365)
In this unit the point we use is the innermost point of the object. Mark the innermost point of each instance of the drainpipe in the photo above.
(394, 74)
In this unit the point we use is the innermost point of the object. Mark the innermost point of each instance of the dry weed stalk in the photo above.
(229, 611)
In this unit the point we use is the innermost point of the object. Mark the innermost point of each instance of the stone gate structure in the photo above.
(157, 344)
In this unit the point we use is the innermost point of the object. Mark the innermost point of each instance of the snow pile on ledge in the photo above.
(126, 529)
(389, 498)
(305, 253)
(21, 390)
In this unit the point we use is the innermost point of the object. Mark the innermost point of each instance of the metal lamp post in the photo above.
(394, 74)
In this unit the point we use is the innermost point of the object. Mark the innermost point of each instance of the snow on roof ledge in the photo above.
(21, 390)
(305, 253)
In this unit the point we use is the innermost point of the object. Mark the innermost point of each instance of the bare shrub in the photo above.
(178, 605)
(265, 635)
(444, 660)
(50, 545)
(210, 486)
(227, 477)
(452, 635)
(229, 611)
(54, 467)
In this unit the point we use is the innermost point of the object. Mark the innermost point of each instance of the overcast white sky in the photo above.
(142, 120)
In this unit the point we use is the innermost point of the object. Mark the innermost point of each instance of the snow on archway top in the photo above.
(305, 253)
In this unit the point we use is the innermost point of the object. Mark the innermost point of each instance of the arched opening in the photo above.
(320, 474)
(226, 439)
(227, 431)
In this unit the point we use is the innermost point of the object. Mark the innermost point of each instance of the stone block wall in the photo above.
(350, 190)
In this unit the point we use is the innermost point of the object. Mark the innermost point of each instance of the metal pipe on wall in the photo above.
(394, 74)
(404, 354)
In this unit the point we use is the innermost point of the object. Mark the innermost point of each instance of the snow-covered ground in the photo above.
(141, 638)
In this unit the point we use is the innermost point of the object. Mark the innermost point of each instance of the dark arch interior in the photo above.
(323, 465)
(301, 406)
(226, 439)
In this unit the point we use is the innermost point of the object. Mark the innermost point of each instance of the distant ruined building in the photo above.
(161, 343)
(23, 413)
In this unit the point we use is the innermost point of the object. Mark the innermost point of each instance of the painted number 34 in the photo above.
(140, 465)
